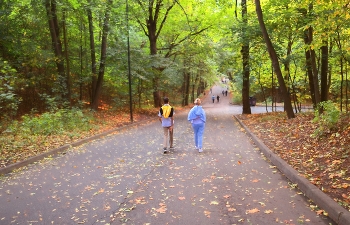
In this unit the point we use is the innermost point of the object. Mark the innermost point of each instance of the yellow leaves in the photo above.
(140, 200)
(99, 191)
(345, 185)
(268, 211)
(252, 211)
(214, 203)
(346, 198)
(319, 212)
(342, 185)
(207, 213)
(231, 209)
(255, 180)
(162, 208)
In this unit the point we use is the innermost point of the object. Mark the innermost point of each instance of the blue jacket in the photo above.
(197, 112)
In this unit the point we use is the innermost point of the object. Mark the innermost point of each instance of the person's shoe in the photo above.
(172, 148)
(164, 150)
(200, 150)
(196, 147)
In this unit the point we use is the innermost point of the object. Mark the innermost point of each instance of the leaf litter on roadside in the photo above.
(324, 160)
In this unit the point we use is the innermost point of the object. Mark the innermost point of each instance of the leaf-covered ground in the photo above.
(323, 160)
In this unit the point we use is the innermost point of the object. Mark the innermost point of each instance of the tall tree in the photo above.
(310, 55)
(51, 11)
(245, 59)
(157, 12)
(101, 71)
(275, 62)
(324, 72)
(92, 52)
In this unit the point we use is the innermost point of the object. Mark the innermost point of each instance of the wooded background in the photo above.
(74, 54)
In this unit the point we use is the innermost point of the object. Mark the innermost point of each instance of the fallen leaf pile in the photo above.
(324, 160)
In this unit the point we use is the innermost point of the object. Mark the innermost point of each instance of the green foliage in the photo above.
(49, 123)
(237, 98)
(327, 120)
(8, 99)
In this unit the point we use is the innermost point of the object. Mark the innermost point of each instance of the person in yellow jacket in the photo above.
(166, 117)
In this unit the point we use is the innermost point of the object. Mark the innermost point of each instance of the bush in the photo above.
(8, 100)
(237, 98)
(327, 120)
(59, 122)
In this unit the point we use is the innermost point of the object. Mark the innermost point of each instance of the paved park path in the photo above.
(124, 178)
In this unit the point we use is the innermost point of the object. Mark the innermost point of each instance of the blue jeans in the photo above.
(198, 130)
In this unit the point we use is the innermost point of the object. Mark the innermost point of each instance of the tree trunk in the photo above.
(245, 59)
(341, 82)
(313, 63)
(324, 72)
(310, 57)
(309, 70)
(152, 37)
(153, 30)
(69, 82)
(186, 86)
(101, 70)
(93, 54)
(274, 59)
(50, 6)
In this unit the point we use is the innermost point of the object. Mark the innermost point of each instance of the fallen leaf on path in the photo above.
(251, 211)
(162, 208)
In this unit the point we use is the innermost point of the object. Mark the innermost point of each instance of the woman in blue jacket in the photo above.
(197, 118)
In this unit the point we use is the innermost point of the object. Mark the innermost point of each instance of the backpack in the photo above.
(166, 111)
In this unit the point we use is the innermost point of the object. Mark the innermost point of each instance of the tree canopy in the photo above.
(57, 54)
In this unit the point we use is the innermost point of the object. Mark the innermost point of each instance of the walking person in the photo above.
(197, 118)
(166, 117)
(213, 98)
(218, 98)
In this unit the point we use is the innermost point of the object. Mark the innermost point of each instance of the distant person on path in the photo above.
(218, 98)
(223, 92)
(211, 90)
(213, 98)
(226, 92)
(197, 118)
(166, 117)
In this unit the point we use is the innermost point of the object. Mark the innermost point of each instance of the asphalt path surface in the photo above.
(124, 178)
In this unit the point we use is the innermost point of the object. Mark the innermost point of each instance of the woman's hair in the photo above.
(197, 101)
